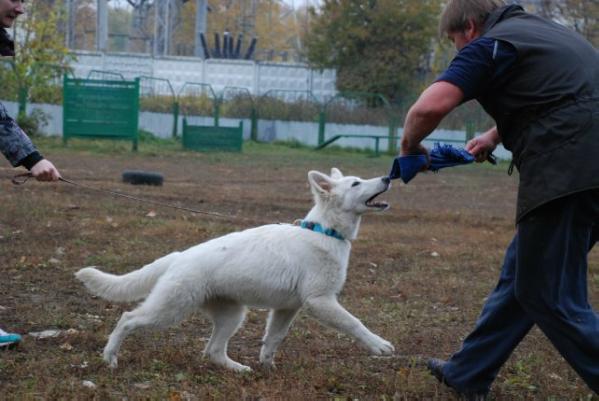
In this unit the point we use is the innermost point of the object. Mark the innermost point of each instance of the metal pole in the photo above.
(322, 118)
(175, 118)
(102, 25)
(23, 95)
(71, 18)
(161, 27)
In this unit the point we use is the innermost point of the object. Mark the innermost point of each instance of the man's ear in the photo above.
(320, 182)
(336, 174)
(471, 32)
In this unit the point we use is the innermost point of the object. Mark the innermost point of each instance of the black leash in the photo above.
(21, 179)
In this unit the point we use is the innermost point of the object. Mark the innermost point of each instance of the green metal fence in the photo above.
(198, 101)
(237, 102)
(100, 109)
(158, 95)
(288, 105)
(105, 75)
(362, 108)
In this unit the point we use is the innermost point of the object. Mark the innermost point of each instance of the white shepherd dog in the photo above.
(282, 267)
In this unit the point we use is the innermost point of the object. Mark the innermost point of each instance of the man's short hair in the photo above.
(457, 13)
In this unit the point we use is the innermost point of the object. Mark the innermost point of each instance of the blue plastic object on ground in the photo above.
(442, 155)
(8, 339)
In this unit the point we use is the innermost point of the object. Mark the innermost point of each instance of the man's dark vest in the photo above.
(547, 110)
(7, 46)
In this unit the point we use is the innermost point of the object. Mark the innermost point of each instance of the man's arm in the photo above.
(425, 115)
(20, 151)
(15, 144)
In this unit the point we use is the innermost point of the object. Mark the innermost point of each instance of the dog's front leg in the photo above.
(328, 311)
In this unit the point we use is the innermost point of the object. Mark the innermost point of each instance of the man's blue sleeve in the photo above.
(479, 66)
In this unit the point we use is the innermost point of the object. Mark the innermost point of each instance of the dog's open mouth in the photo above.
(377, 205)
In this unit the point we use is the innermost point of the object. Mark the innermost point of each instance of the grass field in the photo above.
(418, 276)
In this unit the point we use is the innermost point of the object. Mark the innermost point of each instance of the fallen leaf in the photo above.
(66, 347)
(84, 365)
(175, 396)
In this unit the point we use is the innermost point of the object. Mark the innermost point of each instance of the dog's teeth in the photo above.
(377, 204)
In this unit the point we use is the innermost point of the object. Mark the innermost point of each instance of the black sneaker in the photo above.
(435, 366)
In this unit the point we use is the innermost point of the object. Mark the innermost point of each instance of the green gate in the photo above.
(197, 101)
(100, 109)
(207, 138)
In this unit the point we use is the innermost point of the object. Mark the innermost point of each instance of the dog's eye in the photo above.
(355, 184)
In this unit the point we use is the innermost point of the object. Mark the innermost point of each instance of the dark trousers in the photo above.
(543, 282)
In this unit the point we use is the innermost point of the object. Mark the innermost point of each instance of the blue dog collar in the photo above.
(316, 227)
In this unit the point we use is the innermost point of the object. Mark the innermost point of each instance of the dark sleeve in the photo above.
(479, 65)
(15, 145)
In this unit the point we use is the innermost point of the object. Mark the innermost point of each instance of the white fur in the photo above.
(278, 266)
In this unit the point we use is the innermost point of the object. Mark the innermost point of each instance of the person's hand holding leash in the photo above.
(44, 170)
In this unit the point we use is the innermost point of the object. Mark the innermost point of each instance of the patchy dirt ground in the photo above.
(418, 276)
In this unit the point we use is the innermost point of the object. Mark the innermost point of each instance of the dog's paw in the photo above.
(111, 360)
(380, 346)
(238, 367)
(267, 359)
(268, 365)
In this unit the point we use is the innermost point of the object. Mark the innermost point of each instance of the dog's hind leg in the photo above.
(328, 311)
(227, 317)
(163, 307)
(279, 321)
(129, 321)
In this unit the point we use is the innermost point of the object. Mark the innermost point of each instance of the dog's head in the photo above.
(347, 193)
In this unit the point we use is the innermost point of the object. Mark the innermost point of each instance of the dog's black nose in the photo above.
(386, 180)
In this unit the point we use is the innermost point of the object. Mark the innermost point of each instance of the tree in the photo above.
(380, 46)
(41, 56)
(580, 15)
(271, 21)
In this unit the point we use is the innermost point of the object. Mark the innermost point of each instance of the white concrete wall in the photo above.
(257, 77)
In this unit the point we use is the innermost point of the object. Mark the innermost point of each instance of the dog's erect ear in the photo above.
(320, 182)
(336, 174)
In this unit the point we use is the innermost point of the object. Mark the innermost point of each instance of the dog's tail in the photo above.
(129, 287)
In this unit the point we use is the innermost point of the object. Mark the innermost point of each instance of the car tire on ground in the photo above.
(136, 177)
